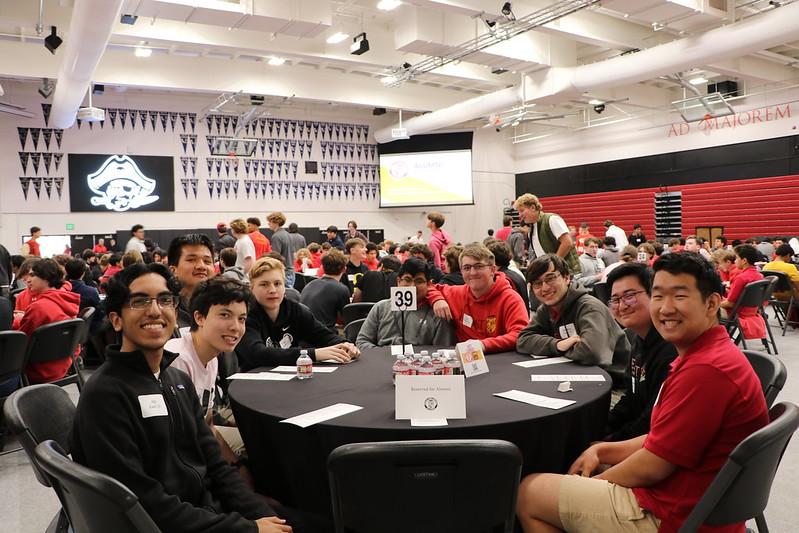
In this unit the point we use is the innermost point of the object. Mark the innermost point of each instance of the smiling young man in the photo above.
(276, 325)
(422, 327)
(486, 308)
(191, 260)
(569, 322)
(548, 234)
(710, 401)
(127, 420)
(650, 358)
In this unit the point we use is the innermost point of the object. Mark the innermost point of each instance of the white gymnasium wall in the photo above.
(492, 164)
(766, 116)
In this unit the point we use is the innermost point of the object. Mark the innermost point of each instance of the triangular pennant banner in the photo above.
(143, 118)
(172, 118)
(112, 115)
(226, 124)
(194, 184)
(210, 184)
(193, 141)
(154, 119)
(193, 165)
(185, 184)
(192, 120)
(37, 186)
(23, 160)
(183, 117)
(35, 137)
(48, 157)
(23, 137)
(59, 185)
(184, 139)
(23, 182)
(164, 117)
(57, 158)
(46, 113)
(123, 117)
(48, 186)
(47, 133)
(35, 157)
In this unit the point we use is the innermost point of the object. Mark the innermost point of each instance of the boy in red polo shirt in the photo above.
(710, 401)
(752, 324)
(487, 307)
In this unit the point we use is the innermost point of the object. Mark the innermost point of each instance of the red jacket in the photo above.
(261, 243)
(438, 243)
(51, 306)
(496, 318)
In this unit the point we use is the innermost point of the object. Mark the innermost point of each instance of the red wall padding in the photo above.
(745, 208)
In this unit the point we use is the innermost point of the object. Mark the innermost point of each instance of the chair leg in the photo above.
(760, 521)
(771, 339)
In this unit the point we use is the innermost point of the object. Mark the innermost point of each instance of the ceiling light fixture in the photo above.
(701, 80)
(388, 5)
(337, 37)
(128, 19)
(143, 52)
(595, 102)
(52, 41)
(276, 61)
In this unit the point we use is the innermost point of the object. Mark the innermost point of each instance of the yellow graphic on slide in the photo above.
(404, 181)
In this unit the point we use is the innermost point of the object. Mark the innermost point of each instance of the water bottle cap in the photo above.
(424, 353)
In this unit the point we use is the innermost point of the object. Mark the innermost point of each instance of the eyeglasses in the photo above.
(477, 267)
(164, 301)
(629, 298)
(549, 279)
(411, 281)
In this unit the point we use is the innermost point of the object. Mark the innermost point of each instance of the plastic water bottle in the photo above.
(446, 370)
(409, 361)
(304, 366)
(438, 363)
(453, 366)
(399, 368)
(426, 368)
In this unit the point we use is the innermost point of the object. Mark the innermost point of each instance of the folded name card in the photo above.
(321, 415)
(543, 362)
(534, 399)
(262, 376)
(568, 377)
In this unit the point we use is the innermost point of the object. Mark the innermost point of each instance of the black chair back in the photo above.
(601, 291)
(352, 329)
(87, 315)
(753, 295)
(12, 354)
(94, 502)
(55, 341)
(783, 281)
(355, 311)
(38, 413)
(770, 371)
(741, 489)
(443, 477)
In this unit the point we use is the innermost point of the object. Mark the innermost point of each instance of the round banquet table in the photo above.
(289, 462)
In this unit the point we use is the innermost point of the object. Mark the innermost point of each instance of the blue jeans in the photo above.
(289, 279)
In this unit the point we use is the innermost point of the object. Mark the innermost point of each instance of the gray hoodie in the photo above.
(422, 327)
(601, 337)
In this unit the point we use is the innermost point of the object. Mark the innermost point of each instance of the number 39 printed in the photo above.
(403, 298)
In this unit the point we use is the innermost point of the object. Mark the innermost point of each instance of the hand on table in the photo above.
(441, 310)
(587, 463)
(272, 524)
(337, 353)
(352, 350)
(565, 345)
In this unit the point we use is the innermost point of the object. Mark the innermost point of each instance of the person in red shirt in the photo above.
(439, 240)
(51, 303)
(32, 243)
(100, 248)
(371, 256)
(752, 324)
(486, 308)
(583, 234)
(725, 265)
(259, 240)
(316, 255)
(710, 401)
(504, 231)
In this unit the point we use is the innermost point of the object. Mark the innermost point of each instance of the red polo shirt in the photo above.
(710, 401)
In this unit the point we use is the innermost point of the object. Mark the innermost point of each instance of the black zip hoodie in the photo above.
(267, 343)
(170, 461)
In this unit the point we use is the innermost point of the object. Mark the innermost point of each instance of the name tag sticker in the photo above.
(467, 321)
(562, 332)
(570, 330)
(152, 405)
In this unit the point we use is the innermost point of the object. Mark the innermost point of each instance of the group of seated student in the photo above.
(709, 402)
(664, 441)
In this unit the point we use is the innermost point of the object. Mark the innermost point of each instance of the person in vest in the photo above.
(549, 233)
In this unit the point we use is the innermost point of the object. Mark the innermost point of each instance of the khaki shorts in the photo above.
(232, 438)
(595, 505)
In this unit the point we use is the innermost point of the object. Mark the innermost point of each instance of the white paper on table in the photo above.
(262, 376)
(320, 415)
(534, 399)
(567, 377)
(428, 422)
(316, 369)
(543, 362)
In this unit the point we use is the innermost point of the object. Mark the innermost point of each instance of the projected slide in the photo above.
(426, 178)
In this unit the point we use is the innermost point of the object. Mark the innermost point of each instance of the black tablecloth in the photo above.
(289, 462)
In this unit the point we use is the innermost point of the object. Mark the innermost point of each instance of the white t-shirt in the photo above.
(618, 234)
(203, 376)
(244, 249)
(135, 244)
(558, 228)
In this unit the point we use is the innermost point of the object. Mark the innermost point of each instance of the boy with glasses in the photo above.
(486, 308)
(710, 401)
(630, 290)
(422, 327)
(569, 322)
(139, 420)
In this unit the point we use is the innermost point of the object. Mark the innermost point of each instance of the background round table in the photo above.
(289, 462)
